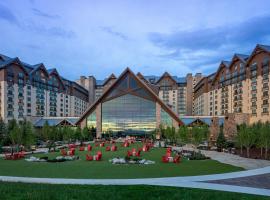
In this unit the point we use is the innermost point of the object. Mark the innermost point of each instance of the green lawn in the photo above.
(103, 169)
(15, 191)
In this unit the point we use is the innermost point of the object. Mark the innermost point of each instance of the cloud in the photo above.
(110, 30)
(7, 15)
(43, 14)
(209, 44)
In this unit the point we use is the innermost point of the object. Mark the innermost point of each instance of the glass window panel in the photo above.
(142, 92)
(128, 114)
(166, 119)
(91, 120)
(132, 83)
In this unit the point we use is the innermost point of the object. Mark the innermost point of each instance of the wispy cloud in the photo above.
(43, 14)
(110, 30)
(7, 15)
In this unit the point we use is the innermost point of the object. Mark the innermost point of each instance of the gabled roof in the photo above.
(9, 61)
(143, 85)
(54, 121)
(168, 75)
(258, 48)
(37, 67)
(241, 57)
(54, 70)
(112, 76)
(222, 65)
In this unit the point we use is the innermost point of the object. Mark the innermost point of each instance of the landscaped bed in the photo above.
(104, 169)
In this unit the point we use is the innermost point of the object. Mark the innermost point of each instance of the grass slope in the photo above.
(104, 169)
(16, 191)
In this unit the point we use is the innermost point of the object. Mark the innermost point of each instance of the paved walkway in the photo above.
(236, 160)
(232, 159)
(203, 182)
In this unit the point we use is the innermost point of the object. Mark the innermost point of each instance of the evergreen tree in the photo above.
(221, 141)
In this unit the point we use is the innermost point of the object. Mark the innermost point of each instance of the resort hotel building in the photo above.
(32, 91)
(239, 86)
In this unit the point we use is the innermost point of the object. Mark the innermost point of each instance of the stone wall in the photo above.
(231, 121)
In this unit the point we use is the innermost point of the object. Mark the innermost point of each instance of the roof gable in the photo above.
(129, 83)
(166, 74)
(258, 49)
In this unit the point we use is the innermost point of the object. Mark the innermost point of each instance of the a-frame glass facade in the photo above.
(129, 107)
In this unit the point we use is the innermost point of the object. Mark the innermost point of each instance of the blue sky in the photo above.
(88, 37)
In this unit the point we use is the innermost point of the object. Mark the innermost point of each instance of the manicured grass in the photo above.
(15, 191)
(103, 169)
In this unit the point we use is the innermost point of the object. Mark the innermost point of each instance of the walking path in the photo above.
(232, 159)
(203, 182)
(236, 160)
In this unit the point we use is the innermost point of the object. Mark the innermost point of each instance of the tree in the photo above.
(266, 138)
(198, 135)
(15, 134)
(240, 137)
(249, 138)
(183, 133)
(3, 132)
(45, 132)
(221, 141)
(28, 136)
(258, 128)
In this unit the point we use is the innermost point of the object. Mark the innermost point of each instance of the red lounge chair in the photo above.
(176, 159)
(97, 144)
(81, 149)
(168, 154)
(169, 150)
(63, 152)
(89, 147)
(108, 148)
(70, 146)
(138, 153)
(98, 156)
(165, 159)
(114, 148)
(102, 144)
(71, 152)
(89, 157)
(129, 153)
(8, 157)
(21, 154)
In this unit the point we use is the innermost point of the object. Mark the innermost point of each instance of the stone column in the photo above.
(98, 117)
(83, 123)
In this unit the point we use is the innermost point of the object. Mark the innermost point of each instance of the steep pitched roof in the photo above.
(143, 85)
(112, 76)
(257, 49)
(168, 75)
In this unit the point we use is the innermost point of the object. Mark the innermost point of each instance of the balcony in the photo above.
(265, 105)
(265, 88)
(265, 97)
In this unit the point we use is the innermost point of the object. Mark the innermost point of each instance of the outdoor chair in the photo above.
(98, 156)
(21, 154)
(63, 152)
(81, 149)
(89, 157)
(168, 154)
(165, 159)
(176, 159)
(89, 147)
(8, 157)
(108, 148)
(138, 153)
(114, 148)
(129, 154)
